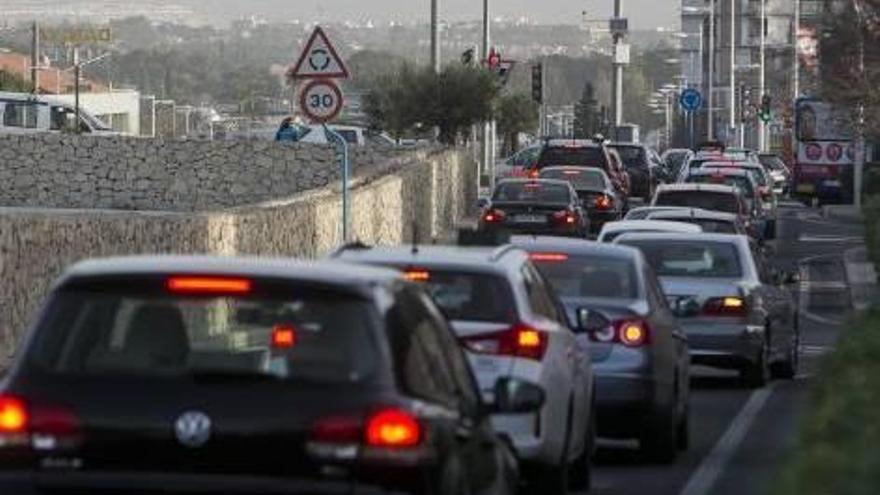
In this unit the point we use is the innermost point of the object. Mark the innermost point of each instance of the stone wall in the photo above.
(50, 171)
(432, 189)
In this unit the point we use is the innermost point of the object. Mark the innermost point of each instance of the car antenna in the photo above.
(415, 238)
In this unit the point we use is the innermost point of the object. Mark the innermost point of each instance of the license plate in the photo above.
(530, 218)
(806, 188)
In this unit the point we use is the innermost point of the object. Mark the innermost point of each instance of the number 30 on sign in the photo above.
(321, 100)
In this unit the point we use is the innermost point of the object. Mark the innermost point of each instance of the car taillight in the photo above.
(565, 217)
(518, 341)
(494, 216)
(336, 430)
(208, 285)
(534, 173)
(283, 337)
(548, 257)
(14, 417)
(631, 333)
(725, 306)
(604, 202)
(393, 428)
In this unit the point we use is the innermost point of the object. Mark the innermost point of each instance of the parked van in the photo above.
(24, 113)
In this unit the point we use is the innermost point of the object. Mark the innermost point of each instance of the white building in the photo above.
(118, 108)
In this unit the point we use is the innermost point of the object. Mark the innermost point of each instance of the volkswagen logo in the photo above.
(193, 429)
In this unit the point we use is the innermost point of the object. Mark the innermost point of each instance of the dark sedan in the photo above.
(595, 190)
(194, 374)
(639, 352)
(535, 206)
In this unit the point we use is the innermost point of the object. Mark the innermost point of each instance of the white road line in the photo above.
(704, 478)
(830, 238)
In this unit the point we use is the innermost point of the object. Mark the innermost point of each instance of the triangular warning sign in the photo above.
(319, 59)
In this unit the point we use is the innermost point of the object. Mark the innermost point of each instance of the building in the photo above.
(118, 108)
(52, 80)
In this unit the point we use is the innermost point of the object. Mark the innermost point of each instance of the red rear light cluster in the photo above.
(726, 306)
(386, 428)
(283, 337)
(565, 217)
(604, 202)
(630, 332)
(42, 427)
(494, 215)
(14, 417)
(534, 173)
(518, 341)
(393, 428)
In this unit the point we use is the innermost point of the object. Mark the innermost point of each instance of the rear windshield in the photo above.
(580, 179)
(706, 200)
(591, 276)
(772, 162)
(632, 156)
(709, 226)
(532, 192)
(285, 334)
(470, 296)
(690, 258)
(584, 156)
(741, 182)
(756, 174)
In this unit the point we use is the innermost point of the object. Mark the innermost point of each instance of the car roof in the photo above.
(592, 170)
(492, 259)
(689, 186)
(693, 213)
(675, 236)
(571, 143)
(723, 170)
(277, 268)
(625, 225)
(573, 246)
(516, 180)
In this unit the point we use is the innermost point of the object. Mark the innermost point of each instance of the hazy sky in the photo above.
(642, 13)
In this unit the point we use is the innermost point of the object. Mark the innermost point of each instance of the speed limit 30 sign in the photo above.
(321, 100)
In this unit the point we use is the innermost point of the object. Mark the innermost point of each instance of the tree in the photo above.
(586, 114)
(13, 82)
(517, 113)
(417, 98)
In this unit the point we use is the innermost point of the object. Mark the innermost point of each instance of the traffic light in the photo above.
(766, 108)
(538, 83)
(745, 105)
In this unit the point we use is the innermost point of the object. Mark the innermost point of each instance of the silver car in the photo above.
(736, 312)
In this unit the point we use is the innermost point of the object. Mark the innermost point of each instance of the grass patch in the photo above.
(838, 448)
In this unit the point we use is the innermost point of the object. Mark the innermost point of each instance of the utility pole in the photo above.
(618, 67)
(76, 76)
(732, 121)
(797, 62)
(710, 97)
(35, 58)
(762, 126)
(435, 35)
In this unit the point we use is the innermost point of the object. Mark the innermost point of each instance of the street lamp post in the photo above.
(710, 97)
(762, 126)
(435, 35)
(732, 120)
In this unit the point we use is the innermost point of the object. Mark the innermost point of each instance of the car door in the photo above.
(667, 340)
(478, 444)
(774, 303)
(666, 320)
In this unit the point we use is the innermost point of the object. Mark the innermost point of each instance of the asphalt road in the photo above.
(740, 437)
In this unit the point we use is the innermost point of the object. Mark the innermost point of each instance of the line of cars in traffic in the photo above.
(485, 367)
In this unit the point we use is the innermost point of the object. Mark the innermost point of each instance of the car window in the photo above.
(707, 200)
(421, 366)
(654, 290)
(137, 329)
(583, 156)
(676, 258)
(469, 296)
(539, 299)
(22, 115)
(632, 156)
(589, 276)
(743, 183)
(533, 192)
(585, 178)
(459, 368)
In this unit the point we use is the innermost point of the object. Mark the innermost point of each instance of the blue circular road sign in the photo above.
(691, 100)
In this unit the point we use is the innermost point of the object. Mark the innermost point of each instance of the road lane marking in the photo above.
(831, 238)
(704, 478)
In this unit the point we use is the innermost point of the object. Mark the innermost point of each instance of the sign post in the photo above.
(321, 100)
(691, 100)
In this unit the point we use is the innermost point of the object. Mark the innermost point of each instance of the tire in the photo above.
(551, 480)
(581, 470)
(757, 374)
(659, 444)
(683, 435)
(787, 370)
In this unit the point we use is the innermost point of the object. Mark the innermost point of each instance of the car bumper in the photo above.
(148, 483)
(626, 392)
(721, 344)
(538, 229)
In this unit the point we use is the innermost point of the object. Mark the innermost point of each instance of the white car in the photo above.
(24, 113)
(612, 230)
(510, 323)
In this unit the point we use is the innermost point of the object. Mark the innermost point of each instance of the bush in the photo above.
(872, 227)
(837, 450)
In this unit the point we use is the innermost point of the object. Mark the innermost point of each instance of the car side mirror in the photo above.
(514, 396)
(482, 203)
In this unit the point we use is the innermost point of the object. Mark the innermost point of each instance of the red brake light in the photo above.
(14, 417)
(417, 275)
(534, 173)
(209, 285)
(548, 257)
(725, 306)
(494, 216)
(283, 337)
(393, 428)
(567, 217)
(337, 430)
(603, 202)
(518, 341)
(571, 172)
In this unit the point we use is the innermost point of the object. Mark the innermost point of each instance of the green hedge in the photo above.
(838, 450)
(872, 227)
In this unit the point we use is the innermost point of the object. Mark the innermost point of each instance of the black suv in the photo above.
(582, 153)
(179, 374)
(644, 167)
